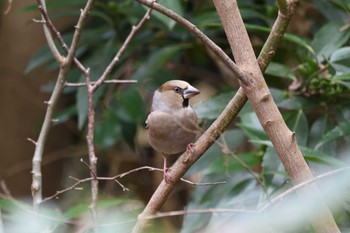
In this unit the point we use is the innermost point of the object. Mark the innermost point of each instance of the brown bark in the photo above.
(255, 88)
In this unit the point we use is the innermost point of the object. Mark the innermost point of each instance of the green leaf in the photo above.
(318, 129)
(173, 5)
(76, 211)
(228, 164)
(250, 124)
(341, 130)
(328, 39)
(297, 122)
(272, 168)
(345, 77)
(42, 57)
(340, 54)
(107, 131)
(297, 102)
(301, 42)
(212, 107)
(288, 37)
(131, 107)
(340, 60)
(280, 71)
(155, 61)
(321, 158)
(82, 106)
(65, 115)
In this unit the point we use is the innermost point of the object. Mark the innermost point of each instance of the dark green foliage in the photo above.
(309, 79)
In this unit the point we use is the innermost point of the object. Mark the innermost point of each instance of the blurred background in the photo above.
(308, 77)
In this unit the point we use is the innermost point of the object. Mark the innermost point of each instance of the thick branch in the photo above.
(282, 138)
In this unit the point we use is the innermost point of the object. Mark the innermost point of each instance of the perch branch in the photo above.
(185, 161)
(270, 46)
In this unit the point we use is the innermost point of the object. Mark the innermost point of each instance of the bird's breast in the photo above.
(171, 133)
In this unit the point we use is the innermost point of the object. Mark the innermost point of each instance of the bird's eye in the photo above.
(177, 89)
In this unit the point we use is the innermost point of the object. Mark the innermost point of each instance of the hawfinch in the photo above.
(172, 123)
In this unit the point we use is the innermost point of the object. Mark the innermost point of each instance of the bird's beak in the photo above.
(190, 92)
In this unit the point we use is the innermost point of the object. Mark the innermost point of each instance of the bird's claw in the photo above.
(189, 148)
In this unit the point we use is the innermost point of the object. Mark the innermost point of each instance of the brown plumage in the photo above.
(172, 123)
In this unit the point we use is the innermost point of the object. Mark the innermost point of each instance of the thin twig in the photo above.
(47, 31)
(116, 179)
(125, 44)
(225, 149)
(8, 7)
(113, 81)
(90, 169)
(53, 30)
(302, 185)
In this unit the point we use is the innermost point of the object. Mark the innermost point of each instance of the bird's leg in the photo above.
(166, 176)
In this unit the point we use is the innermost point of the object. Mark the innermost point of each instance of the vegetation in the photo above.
(309, 78)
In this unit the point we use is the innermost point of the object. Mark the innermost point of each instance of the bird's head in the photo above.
(173, 95)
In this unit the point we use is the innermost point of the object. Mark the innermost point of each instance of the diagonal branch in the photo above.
(197, 33)
(257, 91)
(231, 110)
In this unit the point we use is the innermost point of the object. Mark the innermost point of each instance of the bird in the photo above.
(172, 124)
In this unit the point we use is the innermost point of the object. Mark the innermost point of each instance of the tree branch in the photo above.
(65, 65)
(111, 81)
(116, 58)
(256, 89)
(197, 33)
(185, 161)
(237, 103)
(48, 35)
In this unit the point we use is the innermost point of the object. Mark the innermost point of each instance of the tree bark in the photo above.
(256, 89)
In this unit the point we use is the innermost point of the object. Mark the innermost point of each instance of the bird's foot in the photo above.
(189, 148)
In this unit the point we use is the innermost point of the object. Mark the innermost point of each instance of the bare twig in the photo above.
(116, 58)
(112, 81)
(8, 7)
(225, 149)
(65, 65)
(53, 30)
(91, 147)
(47, 31)
(302, 185)
(200, 211)
(116, 179)
(90, 169)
